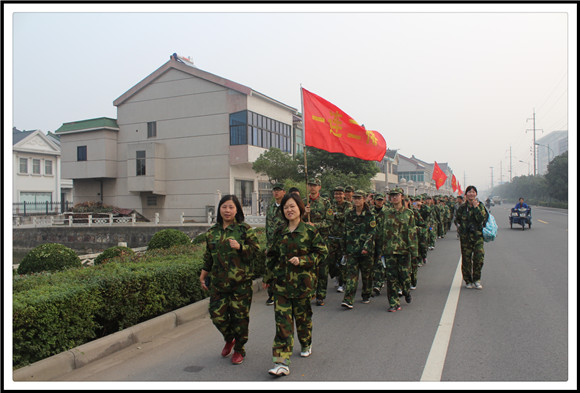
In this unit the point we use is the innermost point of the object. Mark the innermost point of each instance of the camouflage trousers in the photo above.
(354, 265)
(415, 269)
(398, 276)
(335, 269)
(379, 272)
(288, 311)
(230, 313)
(322, 278)
(472, 255)
(432, 236)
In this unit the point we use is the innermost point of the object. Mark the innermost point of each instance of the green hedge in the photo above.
(59, 311)
(55, 312)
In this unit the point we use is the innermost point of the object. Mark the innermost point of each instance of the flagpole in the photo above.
(304, 137)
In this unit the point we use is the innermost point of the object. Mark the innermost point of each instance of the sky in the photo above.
(456, 84)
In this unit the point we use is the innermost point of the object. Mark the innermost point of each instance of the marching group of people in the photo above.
(310, 239)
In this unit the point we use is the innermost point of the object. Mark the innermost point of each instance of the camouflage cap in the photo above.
(396, 190)
(314, 181)
(278, 186)
(359, 193)
(339, 188)
(379, 196)
(348, 189)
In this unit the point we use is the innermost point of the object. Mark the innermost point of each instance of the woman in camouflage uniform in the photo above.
(291, 263)
(227, 274)
(471, 217)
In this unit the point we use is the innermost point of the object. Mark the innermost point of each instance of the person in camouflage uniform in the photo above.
(360, 228)
(421, 226)
(428, 213)
(274, 219)
(450, 201)
(379, 264)
(335, 241)
(319, 214)
(227, 273)
(291, 264)
(471, 218)
(400, 246)
(458, 202)
(348, 191)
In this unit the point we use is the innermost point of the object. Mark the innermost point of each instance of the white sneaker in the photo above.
(306, 351)
(279, 369)
(478, 285)
(340, 289)
(468, 285)
(413, 287)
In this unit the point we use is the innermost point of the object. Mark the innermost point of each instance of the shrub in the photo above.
(50, 257)
(113, 252)
(167, 238)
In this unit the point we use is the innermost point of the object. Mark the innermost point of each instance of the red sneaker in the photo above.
(228, 347)
(237, 358)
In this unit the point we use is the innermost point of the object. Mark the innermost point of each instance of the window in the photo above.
(151, 129)
(81, 153)
(24, 165)
(152, 200)
(36, 166)
(48, 167)
(238, 128)
(251, 128)
(141, 159)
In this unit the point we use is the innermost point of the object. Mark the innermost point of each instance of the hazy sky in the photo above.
(447, 83)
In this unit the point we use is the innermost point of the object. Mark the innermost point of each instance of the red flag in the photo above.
(439, 176)
(328, 128)
(454, 183)
(460, 190)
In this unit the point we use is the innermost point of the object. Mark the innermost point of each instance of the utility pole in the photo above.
(491, 177)
(500, 172)
(510, 163)
(534, 145)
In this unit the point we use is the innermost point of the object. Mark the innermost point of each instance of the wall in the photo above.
(85, 240)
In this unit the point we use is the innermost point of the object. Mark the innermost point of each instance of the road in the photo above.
(516, 329)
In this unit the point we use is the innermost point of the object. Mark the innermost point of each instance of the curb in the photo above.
(65, 362)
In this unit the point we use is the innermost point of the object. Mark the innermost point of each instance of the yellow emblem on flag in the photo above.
(372, 137)
(335, 124)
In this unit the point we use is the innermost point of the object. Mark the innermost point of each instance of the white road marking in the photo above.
(436, 359)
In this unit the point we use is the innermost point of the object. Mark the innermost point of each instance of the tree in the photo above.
(337, 169)
(557, 177)
(277, 165)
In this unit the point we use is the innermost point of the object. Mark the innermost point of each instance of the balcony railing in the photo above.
(40, 208)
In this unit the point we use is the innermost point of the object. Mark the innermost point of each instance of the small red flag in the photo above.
(460, 190)
(439, 176)
(454, 183)
(328, 128)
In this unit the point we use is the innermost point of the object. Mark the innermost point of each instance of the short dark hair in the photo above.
(469, 188)
(296, 199)
(239, 211)
(293, 189)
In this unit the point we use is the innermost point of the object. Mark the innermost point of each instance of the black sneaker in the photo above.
(270, 301)
(366, 300)
(346, 305)
(394, 308)
(319, 302)
(376, 291)
(408, 297)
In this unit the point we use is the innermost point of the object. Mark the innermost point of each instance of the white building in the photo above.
(37, 173)
(182, 137)
(549, 147)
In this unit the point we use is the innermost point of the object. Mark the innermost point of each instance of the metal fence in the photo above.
(37, 208)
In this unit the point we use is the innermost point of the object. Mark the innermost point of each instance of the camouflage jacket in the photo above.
(336, 227)
(380, 233)
(401, 234)
(359, 232)
(228, 267)
(470, 221)
(274, 220)
(321, 213)
(285, 278)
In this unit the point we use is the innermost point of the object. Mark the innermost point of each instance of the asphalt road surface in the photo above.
(517, 329)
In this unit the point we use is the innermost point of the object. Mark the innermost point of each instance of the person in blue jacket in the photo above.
(521, 204)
